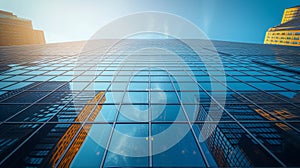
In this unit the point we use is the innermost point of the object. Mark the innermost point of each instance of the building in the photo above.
(61, 110)
(288, 32)
(18, 31)
(66, 139)
(290, 14)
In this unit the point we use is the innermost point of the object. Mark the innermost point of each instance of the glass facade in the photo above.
(61, 107)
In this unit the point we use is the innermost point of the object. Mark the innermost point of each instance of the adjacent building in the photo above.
(288, 32)
(18, 31)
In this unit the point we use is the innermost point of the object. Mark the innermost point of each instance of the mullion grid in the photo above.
(149, 120)
(85, 123)
(261, 90)
(38, 84)
(41, 66)
(113, 127)
(30, 105)
(189, 122)
(28, 138)
(259, 106)
(240, 62)
(42, 123)
(245, 129)
(265, 73)
(149, 98)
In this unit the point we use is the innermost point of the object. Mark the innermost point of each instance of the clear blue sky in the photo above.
(229, 20)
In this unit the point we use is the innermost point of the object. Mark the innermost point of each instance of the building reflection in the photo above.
(276, 111)
(53, 140)
(71, 133)
(223, 144)
(231, 146)
(12, 135)
(289, 61)
(280, 138)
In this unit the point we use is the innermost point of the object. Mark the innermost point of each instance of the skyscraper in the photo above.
(123, 106)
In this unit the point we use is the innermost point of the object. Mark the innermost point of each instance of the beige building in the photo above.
(288, 32)
(18, 31)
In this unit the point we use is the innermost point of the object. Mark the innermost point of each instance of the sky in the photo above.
(227, 20)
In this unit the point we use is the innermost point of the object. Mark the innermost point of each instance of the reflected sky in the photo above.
(261, 115)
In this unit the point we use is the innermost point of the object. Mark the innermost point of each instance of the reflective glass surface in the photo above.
(61, 107)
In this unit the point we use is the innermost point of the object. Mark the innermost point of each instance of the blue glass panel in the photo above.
(17, 78)
(8, 110)
(128, 140)
(62, 78)
(133, 113)
(135, 97)
(163, 97)
(27, 97)
(4, 84)
(240, 86)
(92, 147)
(138, 86)
(162, 86)
(185, 153)
(41, 78)
(18, 85)
(167, 113)
(289, 85)
(266, 86)
(107, 113)
(98, 86)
